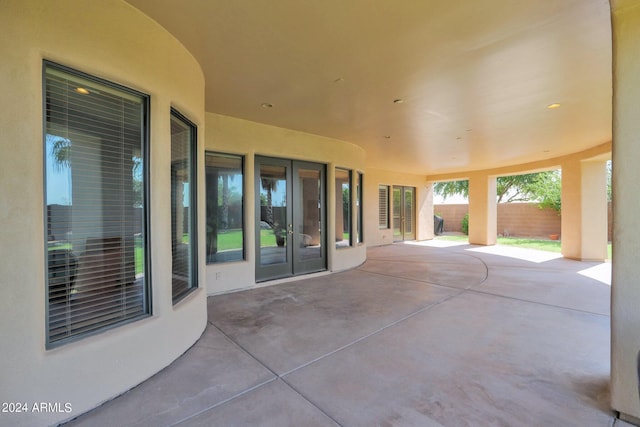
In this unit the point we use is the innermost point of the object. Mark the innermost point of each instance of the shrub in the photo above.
(465, 224)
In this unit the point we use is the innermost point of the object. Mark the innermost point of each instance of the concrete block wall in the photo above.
(514, 219)
(526, 219)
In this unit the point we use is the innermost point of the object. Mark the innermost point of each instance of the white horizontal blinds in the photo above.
(383, 206)
(182, 205)
(95, 141)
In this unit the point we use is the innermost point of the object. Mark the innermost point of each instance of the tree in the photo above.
(547, 190)
(269, 185)
(452, 188)
(541, 186)
(61, 152)
(518, 188)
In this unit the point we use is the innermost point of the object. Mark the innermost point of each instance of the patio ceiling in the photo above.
(472, 79)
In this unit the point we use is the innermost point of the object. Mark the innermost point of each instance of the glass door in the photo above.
(309, 250)
(290, 237)
(274, 220)
(404, 213)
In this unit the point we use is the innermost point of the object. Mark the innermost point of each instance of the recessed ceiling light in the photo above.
(398, 101)
(338, 80)
(82, 90)
(266, 105)
(387, 136)
(553, 106)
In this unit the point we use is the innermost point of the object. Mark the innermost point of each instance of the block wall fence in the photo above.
(514, 219)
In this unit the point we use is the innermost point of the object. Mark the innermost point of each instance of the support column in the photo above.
(483, 210)
(625, 289)
(584, 209)
(424, 212)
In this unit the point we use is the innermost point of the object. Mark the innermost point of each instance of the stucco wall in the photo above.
(519, 219)
(111, 40)
(625, 287)
(452, 215)
(514, 219)
(374, 236)
(236, 136)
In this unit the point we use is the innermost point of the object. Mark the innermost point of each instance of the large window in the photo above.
(95, 147)
(183, 206)
(225, 229)
(343, 208)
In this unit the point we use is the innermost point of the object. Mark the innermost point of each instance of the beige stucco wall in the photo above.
(625, 304)
(374, 236)
(112, 40)
(236, 136)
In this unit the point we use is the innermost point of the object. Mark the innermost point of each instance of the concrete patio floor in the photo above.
(422, 334)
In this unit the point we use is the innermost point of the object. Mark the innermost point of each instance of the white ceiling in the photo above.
(475, 76)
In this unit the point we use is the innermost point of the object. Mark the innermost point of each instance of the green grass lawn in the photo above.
(231, 239)
(267, 238)
(521, 242)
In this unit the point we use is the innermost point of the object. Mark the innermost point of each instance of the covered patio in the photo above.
(422, 334)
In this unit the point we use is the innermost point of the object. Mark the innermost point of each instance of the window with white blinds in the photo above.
(383, 207)
(95, 147)
(183, 206)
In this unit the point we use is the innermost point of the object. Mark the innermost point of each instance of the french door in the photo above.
(404, 213)
(290, 218)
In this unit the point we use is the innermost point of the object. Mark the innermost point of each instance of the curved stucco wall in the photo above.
(625, 286)
(236, 136)
(114, 41)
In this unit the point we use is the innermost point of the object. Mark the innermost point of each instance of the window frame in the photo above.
(193, 206)
(242, 214)
(360, 208)
(351, 198)
(147, 288)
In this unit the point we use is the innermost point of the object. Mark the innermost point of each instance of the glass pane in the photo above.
(309, 235)
(343, 208)
(273, 214)
(408, 214)
(94, 168)
(397, 214)
(225, 234)
(182, 205)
